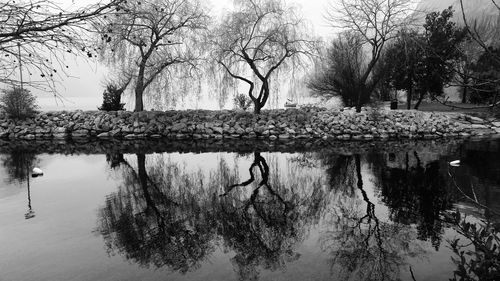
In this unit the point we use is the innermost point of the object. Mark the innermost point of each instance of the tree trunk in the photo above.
(409, 97)
(358, 102)
(142, 174)
(362, 93)
(357, 159)
(139, 89)
(260, 102)
(464, 94)
(256, 107)
(139, 106)
(420, 99)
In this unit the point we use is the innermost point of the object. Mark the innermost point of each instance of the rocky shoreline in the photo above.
(304, 123)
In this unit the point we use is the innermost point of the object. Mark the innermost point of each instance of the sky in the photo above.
(83, 90)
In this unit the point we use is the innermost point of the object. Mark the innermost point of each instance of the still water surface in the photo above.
(316, 215)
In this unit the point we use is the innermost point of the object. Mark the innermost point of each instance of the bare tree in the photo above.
(375, 22)
(149, 37)
(258, 39)
(37, 34)
(483, 33)
(340, 70)
(486, 35)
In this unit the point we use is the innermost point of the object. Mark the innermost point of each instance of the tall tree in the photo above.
(375, 22)
(442, 40)
(424, 63)
(257, 40)
(150, 37)
(404, 59)
(37, 34)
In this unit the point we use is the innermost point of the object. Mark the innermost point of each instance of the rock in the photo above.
(478, 126)
(475, 120)
(60, 130)
(80, 134)
(60, 136)
(273, 124)
(218, 130)
(115, 132)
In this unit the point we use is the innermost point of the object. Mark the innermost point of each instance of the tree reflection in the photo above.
(150, 223)
(361, 246)
(164, 215)
(262, 229)
(415, 193)
(340, 170)
(18, 165)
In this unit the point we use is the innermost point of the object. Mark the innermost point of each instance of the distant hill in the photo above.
(482, 12)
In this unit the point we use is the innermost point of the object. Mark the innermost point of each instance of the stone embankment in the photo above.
(305, 123)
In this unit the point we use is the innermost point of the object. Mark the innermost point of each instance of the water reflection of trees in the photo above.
(18, 165)
(361, 245)
(165, 215)
(415, 192)
(156, 222)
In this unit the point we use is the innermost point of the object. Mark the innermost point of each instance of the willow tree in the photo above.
(36, 35)
(256, 40)
(148, 38)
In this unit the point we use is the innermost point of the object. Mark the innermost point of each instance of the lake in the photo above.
(244, 211)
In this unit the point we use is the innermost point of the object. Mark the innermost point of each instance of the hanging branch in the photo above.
(37, 34)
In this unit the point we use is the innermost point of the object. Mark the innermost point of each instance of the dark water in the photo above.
(352, 212)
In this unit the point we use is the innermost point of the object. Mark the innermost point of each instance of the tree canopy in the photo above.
(257, 40)
(145, 40)
(37, 34)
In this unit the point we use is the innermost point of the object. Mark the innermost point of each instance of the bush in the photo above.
(341, 73)
(18, 103)
(486, 70)
(242, 101)
(112, 98)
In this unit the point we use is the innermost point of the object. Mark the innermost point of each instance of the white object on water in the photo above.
(455, 163)
(37, 172)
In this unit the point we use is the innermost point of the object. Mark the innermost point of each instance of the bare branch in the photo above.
(258, 39)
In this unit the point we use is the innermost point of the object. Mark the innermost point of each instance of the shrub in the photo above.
(112, 98)
(18, 103)
(342, 71)
(242, 101)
